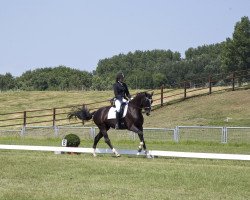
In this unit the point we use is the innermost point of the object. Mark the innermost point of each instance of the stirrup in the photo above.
(117, 126)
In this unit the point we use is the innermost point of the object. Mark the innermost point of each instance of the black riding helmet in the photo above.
(120, 76)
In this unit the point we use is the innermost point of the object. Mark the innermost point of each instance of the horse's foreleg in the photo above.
(139, 131)
(142, 144)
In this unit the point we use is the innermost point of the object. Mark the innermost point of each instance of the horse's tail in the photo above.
(81, 113)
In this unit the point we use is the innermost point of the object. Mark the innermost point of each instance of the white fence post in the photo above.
(176, 134)
(23, 130)
(92, 132)
(56, 130)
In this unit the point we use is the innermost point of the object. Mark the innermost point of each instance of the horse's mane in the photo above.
(140, 94)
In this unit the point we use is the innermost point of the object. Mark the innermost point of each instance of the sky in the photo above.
(78, 33)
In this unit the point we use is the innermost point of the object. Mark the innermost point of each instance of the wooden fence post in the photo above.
(162, 95)
(54, 117)
(24, 118)
(185, 90)
(210, 84)
(233, 81)
(24, 123)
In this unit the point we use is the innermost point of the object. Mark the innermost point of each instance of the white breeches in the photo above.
(118, 104)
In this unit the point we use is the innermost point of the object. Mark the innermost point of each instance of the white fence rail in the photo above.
(153, 153)
(177, 134)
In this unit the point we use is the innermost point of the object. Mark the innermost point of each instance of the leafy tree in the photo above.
(58, 78)
(236, 54)
(7, 82)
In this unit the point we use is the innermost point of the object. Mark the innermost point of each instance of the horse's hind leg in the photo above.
(107, 140)
(96, 140)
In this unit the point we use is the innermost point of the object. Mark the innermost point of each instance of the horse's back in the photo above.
(101, 115)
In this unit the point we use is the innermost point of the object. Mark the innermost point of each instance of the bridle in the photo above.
(148, 108)
(145, 100)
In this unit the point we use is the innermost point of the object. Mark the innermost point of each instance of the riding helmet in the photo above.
(119, 76)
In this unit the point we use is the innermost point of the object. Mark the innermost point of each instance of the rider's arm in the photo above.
(115, 89)
(127, 92)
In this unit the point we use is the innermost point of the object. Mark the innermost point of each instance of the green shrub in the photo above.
(72, 140)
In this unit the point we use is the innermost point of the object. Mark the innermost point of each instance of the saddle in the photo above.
(123, 111)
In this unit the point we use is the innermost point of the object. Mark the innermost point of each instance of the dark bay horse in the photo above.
(133, 120)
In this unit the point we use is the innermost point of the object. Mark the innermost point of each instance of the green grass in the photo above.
(45, 176)
(29, 100)
(211, 110)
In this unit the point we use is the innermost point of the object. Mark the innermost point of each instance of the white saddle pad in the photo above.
(112, 112)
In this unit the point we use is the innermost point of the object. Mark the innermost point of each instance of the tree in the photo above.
(236, 52)
(7, 82)
(58, 78)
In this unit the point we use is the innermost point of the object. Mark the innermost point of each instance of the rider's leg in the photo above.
(118, 109)
(118, 121)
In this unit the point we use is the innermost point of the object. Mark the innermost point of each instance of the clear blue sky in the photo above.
(78, 33)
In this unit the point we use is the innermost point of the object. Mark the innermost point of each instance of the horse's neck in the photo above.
(136, 102)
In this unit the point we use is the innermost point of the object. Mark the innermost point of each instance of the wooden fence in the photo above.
(162, 96)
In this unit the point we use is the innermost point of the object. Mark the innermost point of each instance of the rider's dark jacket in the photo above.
(121, 91)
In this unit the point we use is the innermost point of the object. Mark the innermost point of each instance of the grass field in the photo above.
(212, 110)
(36, 175)
(46, 176)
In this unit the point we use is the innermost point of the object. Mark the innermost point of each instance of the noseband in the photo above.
(150, 101)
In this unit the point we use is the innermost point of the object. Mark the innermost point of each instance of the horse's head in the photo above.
(147, 102)
(144, 101)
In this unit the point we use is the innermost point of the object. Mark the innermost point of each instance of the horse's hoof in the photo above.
(149, 156)
(94, 154)
(116, 153)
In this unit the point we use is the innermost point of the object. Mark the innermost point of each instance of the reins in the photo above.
(134, 106)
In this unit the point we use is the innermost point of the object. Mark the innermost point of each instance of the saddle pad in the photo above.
(112, 112)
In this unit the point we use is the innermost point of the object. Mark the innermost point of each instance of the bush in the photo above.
(72, 140)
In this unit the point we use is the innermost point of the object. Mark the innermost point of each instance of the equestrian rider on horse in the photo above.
(121, 95)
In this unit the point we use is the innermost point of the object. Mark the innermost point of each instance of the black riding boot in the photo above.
(118, 121)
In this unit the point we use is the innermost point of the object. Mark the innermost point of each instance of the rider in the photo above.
(121, 95)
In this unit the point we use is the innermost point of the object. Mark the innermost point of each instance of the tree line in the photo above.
(144, 69)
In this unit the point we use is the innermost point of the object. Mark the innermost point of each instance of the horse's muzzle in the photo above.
(147, 111)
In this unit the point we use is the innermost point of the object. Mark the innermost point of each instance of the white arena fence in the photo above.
(152, 153)
(177, 134)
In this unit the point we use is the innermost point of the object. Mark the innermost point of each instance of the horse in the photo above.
(133, 120)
